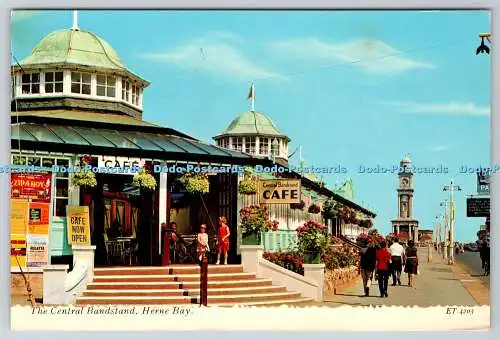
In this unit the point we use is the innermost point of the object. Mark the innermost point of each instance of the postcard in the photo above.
(173, 166)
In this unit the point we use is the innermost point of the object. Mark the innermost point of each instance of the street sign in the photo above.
(483, 183)
(478, 207)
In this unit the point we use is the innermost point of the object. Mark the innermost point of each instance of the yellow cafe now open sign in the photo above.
(78, 225)
(276, 191)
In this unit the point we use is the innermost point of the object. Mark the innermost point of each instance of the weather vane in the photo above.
(483, 48)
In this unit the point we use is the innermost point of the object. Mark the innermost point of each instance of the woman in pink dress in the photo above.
(222, 239)
(202, 242)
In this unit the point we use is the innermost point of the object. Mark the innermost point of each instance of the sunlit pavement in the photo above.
(437, 284)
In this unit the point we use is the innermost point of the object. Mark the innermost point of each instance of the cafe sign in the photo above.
(279, 191)
(120, 162)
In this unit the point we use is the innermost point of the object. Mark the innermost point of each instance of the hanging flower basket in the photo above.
(314, 209)
(348, 215)
(330, 209)
(84, 178)
(365, 223)
(248, 187)
(196, 183)
(298, 206)
(144, 180)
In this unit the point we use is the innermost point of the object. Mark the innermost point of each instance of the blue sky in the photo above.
(352, 88)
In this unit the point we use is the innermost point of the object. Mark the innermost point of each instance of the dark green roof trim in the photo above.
(114, 142)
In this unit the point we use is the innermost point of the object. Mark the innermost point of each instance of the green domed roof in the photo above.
(252, 123)
(70, 46)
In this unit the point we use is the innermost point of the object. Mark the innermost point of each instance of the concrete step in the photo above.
(185, 269)
(268, 298)
(183, 292)
(135, 300)
(172, 278)
(178, 285)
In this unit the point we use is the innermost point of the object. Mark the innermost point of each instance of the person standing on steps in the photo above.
(383, 261)
(222, 239)
(397, 257)
(366, 265)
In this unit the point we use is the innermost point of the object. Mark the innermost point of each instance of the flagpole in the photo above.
(75, 20)
(253, 97)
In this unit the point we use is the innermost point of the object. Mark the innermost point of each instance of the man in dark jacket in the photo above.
(366, 265)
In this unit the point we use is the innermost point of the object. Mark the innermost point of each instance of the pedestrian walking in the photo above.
(397, 257)
(411, 266)
(367, 259)
(383, 260)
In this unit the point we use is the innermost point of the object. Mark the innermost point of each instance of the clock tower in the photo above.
(405, 221)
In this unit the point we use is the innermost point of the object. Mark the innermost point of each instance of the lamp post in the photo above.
(451, 188)
(437, 236)
(445, 223)
(483, 48)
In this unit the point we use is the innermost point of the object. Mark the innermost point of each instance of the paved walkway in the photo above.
(437, 284)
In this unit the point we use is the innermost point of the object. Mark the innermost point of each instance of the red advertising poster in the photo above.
(31, 186)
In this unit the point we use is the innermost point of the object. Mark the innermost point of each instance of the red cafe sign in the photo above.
(31, 186)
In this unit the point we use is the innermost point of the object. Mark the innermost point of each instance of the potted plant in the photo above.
(298, 206)
(312, 241)
(348, 215)
(248, 187)
(254, 221)
(196, 182)
(84, 178)
(314, 209)
(144, 180)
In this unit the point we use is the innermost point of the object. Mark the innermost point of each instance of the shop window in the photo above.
(53, 82)
(34, 161)
(238, 143)
(125, 90)
(263, 146)
(250, 145)
(80, 82)
(61, 189)
(18, 160)
(106, 86)
(275, 147)
(30, 83)
(48, 162)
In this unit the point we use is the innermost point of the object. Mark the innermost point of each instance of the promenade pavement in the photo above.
(437, 284)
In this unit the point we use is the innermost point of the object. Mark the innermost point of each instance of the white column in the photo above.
(84, 255)
(162, 206)
(54, 277)
(257, 146)
(250, 256)
(93, 84)
(118, 88)
(230, 145)
(316, 272)
(67, 82)
(42, 82)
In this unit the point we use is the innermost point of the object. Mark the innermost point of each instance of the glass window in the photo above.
(263, 146)
(224, 142)
(61, 188)
(53, 82)
(35, 161)
(48, 162)
(80, 82)
(106, 86)
(135, 94)
(250, 145)
(125, 90)
(238, 143)
(30, 83)
(275, 147)
(18, 160)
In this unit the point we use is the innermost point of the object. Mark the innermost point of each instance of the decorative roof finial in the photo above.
(251, 96)
(75, 20)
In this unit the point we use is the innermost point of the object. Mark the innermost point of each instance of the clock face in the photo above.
(405, 181)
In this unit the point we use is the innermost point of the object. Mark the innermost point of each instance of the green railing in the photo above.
(279, 240)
